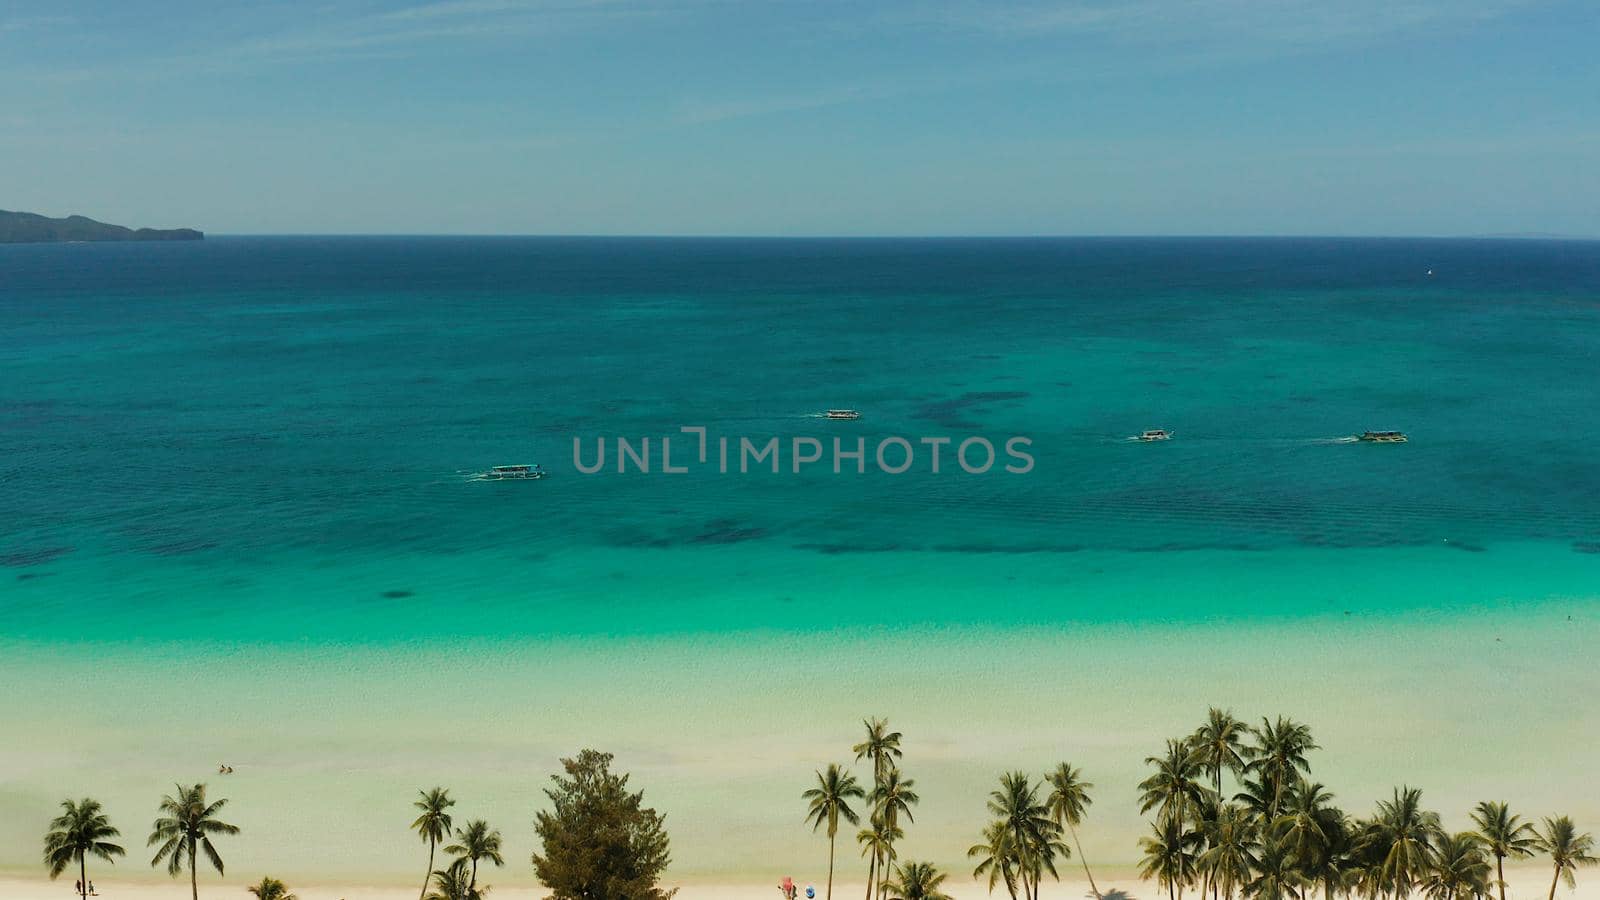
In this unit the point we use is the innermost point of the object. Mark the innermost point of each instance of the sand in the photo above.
(1526, 883)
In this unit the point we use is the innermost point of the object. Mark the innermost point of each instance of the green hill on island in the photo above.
(24, 228)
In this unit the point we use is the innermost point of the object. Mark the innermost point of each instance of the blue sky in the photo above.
(820, 117)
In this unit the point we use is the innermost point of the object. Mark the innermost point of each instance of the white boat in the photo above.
(512, 473)
(1155, 434)
(1382, 437)
(841, 414)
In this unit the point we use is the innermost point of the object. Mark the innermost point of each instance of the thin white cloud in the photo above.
(446, 9)
(1277, 21)
(33, 23)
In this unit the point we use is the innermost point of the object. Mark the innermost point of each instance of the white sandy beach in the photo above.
(1526, 883)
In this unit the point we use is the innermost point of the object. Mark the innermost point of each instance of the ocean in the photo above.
(236, 516)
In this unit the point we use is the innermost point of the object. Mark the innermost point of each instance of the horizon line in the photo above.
(1490, 236)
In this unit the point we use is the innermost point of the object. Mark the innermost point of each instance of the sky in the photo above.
(771, 117)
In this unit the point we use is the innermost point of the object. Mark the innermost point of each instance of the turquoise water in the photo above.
(261, 438)
(234, 527)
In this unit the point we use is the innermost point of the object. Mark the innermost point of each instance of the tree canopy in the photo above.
(599, 842)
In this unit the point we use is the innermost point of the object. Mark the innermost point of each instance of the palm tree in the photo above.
(1220, 742)
(1276, 875)
(1068, 799)
(1257, 797)
(1176, 782)
(474, 842)
(1231, 855)
(1459, 868)
(455, 883)
(1406, 832)
(882, 746)
(1034, 836)
(271, 889)
(1279, 755)
(81, 831)
(1505, 835)
(184, 829)
(882, 749)
(1568, 850)
(917, 881)
(1302, 821)
(1169, 855)
(893, 796)
(1334, 863)
(878, 841)
(433, 825)
(997, 857)
(830, 802)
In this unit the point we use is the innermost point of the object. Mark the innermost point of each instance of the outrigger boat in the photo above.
(510, 473)
(841, 414)
(1382, 437)
(1155, 434)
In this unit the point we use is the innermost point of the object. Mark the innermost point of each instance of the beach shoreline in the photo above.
(1524, 882)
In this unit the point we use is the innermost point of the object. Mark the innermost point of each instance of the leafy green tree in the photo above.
(1178, 781)
(997, 857)
(1257, 796)
(454, 882)
(1035, 837)
(1230, 857)
(917, 881)
(1460, 867)
(829, 802)
(1301, 823)
(1505, 834)
(1169, 855)
(474, 842)
(1066, 803)
(1276, 878)
(81, 831)
(893, 797)
(184, 829)
(1279, 756)
(433, 825)
(271, 889)
(1221, 744)
(881, 746)
(599, 841)
(1334, 864)
(877, 840)
(1407, 832)
(1567, 849)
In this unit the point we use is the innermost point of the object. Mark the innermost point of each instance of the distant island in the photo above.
(32, 228)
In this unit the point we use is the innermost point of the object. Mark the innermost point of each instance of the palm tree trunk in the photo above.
(473, 886)
(429, 876)
(1553, 882)
(872, 872)
(1085, 862)
(830, 867)
(1500, 874)
(883, 869)
(194, 881)
(83, 877)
